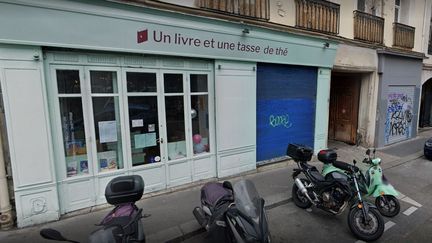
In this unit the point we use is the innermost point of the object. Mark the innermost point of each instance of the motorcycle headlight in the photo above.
(428, 144)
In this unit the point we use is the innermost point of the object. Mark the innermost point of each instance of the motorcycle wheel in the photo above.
(299, 199)
(387, 205)
(367, 231)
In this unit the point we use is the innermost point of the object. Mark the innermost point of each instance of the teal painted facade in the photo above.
(101, 25)
(90, 35)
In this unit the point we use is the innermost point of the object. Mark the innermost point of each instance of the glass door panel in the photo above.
(72, 122)
(200, 124)
(174, 115)
(107, 122)
(73, 136)
(175, 123)
(144, 130)
(143, 118)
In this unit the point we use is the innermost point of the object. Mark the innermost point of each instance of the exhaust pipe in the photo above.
(200, 217)
(303, 190)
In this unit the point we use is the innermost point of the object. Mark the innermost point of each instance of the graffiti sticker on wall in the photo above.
(399, 117)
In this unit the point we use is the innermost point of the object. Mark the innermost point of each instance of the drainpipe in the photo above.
(6, 221)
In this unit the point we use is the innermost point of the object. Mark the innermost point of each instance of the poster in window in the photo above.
(107, 131)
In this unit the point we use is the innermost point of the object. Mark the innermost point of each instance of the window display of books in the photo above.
(72, 168)
(77, 166)
(107, 161)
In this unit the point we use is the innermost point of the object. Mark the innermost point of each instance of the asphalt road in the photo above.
(413, 179)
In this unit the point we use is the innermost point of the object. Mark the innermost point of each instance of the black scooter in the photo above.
(121, 225)
(232, 214)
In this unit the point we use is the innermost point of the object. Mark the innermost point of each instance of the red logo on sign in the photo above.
(142, 36)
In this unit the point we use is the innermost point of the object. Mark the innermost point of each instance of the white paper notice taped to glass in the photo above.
(107, 131)
(138, 123)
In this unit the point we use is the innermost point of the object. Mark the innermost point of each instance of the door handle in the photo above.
(159, 140)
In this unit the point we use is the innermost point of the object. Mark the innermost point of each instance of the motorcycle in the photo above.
(334, 194)
(371, 183)
(232, 214)
(123, 223)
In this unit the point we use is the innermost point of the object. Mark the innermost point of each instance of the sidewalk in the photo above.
(171, 217)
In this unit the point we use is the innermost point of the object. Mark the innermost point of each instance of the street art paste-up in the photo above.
(399, 117)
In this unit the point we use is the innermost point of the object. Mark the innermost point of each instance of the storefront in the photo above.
(111, 89)
(400, 83)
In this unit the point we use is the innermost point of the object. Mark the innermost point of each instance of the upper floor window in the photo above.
(361, 5)
(372, 7)
(258, 9)
(397, 11)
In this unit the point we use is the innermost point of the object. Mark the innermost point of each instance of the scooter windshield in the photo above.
(247, 199)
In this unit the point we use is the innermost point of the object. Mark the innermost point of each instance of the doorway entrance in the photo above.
(344, 105)
(426, 105)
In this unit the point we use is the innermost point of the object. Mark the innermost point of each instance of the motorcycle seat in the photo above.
(345, 166)
(313, 172)
(214, 193)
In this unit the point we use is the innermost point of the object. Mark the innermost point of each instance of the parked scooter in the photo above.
(232, 214)
(334, 194)
(121, 225)
(371, 183)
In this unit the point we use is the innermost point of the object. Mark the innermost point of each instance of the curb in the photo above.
(403, 160)
(273, 205)
(202, 230)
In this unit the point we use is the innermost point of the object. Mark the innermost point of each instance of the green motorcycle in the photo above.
(372, 182)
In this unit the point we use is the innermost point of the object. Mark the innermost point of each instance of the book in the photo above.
(84, 166)
(103, 163)
(72, 168)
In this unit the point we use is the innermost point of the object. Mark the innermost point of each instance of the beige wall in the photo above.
(346, 18)
(355, 58)
(282, 12)
(388, 15)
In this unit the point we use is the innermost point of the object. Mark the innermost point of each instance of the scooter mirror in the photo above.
(354, 161)
(368, 151)
(52, 234)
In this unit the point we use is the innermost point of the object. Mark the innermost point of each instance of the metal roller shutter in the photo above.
(286, 97)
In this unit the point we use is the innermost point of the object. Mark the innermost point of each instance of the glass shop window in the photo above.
(72, 122)
(199, 113)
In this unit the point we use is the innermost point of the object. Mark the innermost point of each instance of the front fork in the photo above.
(364, 206)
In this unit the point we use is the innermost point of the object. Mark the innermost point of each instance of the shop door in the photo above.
(89, 130)
(344, 102)
(168, 123)
(145, 126)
